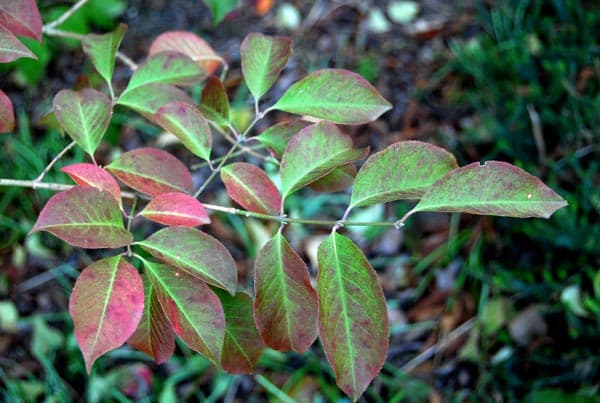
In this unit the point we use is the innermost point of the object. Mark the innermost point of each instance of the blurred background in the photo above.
(481, 308)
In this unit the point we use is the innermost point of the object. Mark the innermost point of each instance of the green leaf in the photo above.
(250, 186)
(106, 306)
(278, 136)
(214, 99)
(195, 252)
(285, 307)
(314, 152)
(102, 50)
(494, 188)
(10, 47)
(353, 321)
(337, 180)
(242, 346)
(187, 123)
(85, 116)
(166, 68)
(85, 217)
(404, 170)
(336, 95)
(148, 99)
(263, 59)
(220, 8)
(154, 334)
(193, 309)
(152, 171)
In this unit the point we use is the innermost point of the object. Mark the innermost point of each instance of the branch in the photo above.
(51, 164)
(65, 16)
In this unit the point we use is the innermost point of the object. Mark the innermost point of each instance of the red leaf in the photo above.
(85, 217)
(154, 335)
(285, 307)
(91, 175)
(152, 171)
(251, 188)
(7, 115)
(189, 44)
(106, 306)
(22, 17)
(176, 209)
(10, 47)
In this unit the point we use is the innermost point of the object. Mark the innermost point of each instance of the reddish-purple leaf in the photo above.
(152, 171)
(337, 180)
(353, 321)
(85, 174)
(285, 307)
(215, 104)
(154, 335)
(106, 306)
(194, 310)
(276, 137)
(189, 44)
(187, 123)
(250, 186)
(197, 253)
(22, 17)
(85, 217)
(176, 209)
(242, 346)
(7, 114)
(10, 47)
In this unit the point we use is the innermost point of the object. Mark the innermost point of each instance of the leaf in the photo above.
(189, 44)
(85, 116)
(186, 122)
(263, 59)
(353, 322)
(7, 114)
(106, 306)
(242, 346)
(285, 307)
(10, 47)
(92, 175)
(193, 309)
(152, 171)
(148, 99)
(251, 188)
(214, 97)
(154, 334)
(494, 188)
(220, 8)
(336, 95)
(21, 17)
(277, 136)
(404, 170)
(176, 209)
(85, 217)
(102, 50)
(195, 252)
(314, 152)
(337, 180)
(166, 68)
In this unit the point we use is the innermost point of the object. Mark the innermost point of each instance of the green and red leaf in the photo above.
(106, 306)
(285, 307)
(404, 170)
(148, 99)
(154, 334)
(194, 310)
(102, 50)
(185, 121)
(263, 59)
(337, 180)
(195, 252)
(152, 171)
(176, 209)
(85, 217)
(10, 47)
(7, 114)
(314, 152)
(85, 116)
(277, 137)
(353, 321)
(215, 104)
(251, 188)
(494, 188)
(189, 44)
(85, 174)
(243, 345)
(21, 17)
(339, 96)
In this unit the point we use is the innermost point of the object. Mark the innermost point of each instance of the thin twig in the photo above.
(51, 164)
(218, 168)
(127, 61)
(538, 136)
(65, 15)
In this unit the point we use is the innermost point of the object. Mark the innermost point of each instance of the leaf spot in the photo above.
(529, 196)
